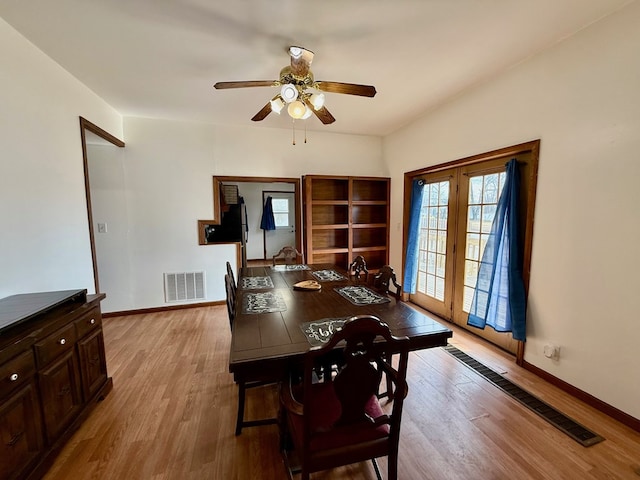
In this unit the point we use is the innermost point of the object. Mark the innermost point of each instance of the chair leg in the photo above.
(389, 382)
(389, 392)
(392, 466)
(375, 467)
(240, 417)
(240, 421)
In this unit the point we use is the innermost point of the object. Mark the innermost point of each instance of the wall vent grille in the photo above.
(184, 286)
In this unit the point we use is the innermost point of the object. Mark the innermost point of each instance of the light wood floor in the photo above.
(171, 416)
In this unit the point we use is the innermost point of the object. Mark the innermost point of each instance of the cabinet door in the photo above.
(60, 390)
(93, 365)
(20, 431)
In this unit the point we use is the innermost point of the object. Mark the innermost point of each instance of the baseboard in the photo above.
(166, 308)
(587, 398)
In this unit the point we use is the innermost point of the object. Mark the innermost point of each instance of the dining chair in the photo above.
(231, 299)
(234, 284)
(289, 256)
(385, 282)
(339, 420)
(358, 267)
(242, 385)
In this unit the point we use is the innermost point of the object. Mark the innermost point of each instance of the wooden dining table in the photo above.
(273, 320)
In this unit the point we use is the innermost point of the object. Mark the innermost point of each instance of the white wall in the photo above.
(166, 183)
(582, 99)
(44, 244)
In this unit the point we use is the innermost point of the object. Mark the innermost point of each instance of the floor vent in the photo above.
(576, 431)
(184, 286)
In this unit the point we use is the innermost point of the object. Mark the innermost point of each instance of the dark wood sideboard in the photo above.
(52, 372)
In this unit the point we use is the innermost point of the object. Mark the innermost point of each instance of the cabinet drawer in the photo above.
(20, 431)
(88, 322)
(16, 371)
(55, 344)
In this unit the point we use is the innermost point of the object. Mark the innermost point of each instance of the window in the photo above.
(281, 212)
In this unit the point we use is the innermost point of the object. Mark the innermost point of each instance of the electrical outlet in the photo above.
(552, 351)
(102, 228)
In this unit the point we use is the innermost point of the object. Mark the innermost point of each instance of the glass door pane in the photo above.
(433, 239)
(480, 189)
(484, 192)
(435, 265)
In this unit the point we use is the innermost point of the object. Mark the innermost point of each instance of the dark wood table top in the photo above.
(263, 344)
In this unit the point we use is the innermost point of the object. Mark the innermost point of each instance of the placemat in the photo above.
(252, 283)
(263, 302)
(328, 275)
(359, 295)
(295, 266)
(319, 332)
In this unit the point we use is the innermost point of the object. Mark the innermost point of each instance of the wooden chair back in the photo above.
(385, 282)
(358, 267)
(231, 298)
(349, 398)
(234, 285)
(287, 255)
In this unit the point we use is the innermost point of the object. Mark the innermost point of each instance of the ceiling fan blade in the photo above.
(301, 59)
(348, 88)
(322, 113)
(261, 115)
(253, 83)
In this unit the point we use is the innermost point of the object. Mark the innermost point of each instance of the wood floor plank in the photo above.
(171, 415)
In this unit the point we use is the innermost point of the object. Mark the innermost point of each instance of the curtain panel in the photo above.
(499, 299)
(411, 259)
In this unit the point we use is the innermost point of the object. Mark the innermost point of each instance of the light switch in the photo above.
(102, 228)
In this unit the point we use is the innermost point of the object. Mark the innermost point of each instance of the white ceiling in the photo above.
(160, 58)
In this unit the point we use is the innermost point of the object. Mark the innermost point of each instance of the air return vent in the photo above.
(183, 286)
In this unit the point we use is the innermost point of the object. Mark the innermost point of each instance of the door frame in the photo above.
(264, 232)
(87, 126)
(217, 213)
(532, 148)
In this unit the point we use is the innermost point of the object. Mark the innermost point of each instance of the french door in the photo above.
(458, 207)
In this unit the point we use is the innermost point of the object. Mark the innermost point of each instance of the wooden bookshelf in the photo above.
(345, 217)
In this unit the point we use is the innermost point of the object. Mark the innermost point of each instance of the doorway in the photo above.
(458, 206)
(260, 185)
(283, 204)
(92, 134)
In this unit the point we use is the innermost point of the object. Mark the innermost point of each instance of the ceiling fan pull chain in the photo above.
(305, 131)
(293, 129)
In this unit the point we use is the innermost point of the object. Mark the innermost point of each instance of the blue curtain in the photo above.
(499, 298)
(268, 222)
(411, 260)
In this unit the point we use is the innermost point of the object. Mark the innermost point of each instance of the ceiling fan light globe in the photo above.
(296, 109)
(276, 105)
(307, 113)
(317, 100)
(289, 92)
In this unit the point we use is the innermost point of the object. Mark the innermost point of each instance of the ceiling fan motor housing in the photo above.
(287, 76)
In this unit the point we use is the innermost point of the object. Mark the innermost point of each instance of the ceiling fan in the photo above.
(297, 87)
